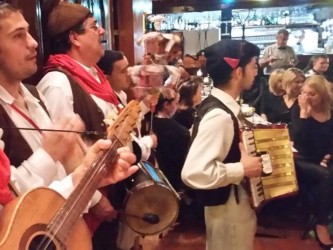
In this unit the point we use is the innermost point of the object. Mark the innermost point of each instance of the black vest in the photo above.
(218, 196)
(16, 147)
(86, 108)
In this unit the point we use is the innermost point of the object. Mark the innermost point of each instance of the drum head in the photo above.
(150, 208)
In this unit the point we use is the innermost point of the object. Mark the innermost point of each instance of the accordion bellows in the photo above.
(275, 141)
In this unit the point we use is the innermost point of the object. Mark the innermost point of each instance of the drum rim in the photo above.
(145, 184)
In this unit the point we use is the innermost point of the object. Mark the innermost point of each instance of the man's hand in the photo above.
(154, 140)
(104, 210)
(59, 144)
(120, 170)
(304, 104)
(272, 59)
(252, 165)
(325, 161)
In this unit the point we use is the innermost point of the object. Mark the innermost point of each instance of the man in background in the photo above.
(278, 55)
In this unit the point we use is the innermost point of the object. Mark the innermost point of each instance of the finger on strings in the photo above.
(100, 145)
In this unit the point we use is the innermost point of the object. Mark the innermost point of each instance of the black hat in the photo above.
(226, 55)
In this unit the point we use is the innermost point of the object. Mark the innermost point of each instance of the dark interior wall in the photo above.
(124, 26)
(129, 26)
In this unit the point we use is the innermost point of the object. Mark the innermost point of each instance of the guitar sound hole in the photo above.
(42, 242)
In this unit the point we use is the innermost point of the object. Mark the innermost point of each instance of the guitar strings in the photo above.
(45, 243)
(97, 170)
(54, 227)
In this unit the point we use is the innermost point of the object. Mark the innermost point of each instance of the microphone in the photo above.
(147, 217)
(151, 218)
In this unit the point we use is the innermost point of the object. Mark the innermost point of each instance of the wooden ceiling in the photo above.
(174, 6)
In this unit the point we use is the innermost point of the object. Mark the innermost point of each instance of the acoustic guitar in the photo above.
(42, 219)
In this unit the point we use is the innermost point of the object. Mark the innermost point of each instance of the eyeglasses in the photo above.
(95, 26)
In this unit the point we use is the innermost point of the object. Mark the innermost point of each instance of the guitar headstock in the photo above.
(126, 121)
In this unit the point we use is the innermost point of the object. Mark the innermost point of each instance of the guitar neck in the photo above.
(82, 194)
(119, 133)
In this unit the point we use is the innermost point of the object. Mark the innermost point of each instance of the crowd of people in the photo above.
(194, 142)
(45, 149)
(302, 99)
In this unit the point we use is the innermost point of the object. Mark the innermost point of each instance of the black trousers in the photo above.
(105, 237)
(316, 184)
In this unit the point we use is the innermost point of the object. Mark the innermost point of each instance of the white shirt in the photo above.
(39, 169)
(122, 97)
(56, 88)
(204, 167)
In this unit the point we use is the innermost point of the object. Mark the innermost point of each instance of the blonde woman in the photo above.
(312, 129)
(275, 90)
(292, 82)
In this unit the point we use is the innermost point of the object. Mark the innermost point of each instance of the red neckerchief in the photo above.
(5, 193)
(102, 90)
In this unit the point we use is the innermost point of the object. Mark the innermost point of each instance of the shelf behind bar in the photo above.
(292, 25)
(178, 6)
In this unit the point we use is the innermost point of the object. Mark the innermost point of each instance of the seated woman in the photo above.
(275, 90)
(318, 65)
(173, 138)
(189, 98)
(312, 129)
(292, 82)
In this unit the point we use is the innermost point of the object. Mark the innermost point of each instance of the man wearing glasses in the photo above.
(74, 84)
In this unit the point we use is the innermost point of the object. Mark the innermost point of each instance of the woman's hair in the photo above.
(290, 75)
(312, 61)
(321, 86)
(188, 90)
(273, 82)
(166, 95)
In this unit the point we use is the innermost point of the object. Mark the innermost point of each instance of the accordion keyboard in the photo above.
(282, 181)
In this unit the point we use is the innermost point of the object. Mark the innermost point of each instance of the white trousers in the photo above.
(231, 226)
